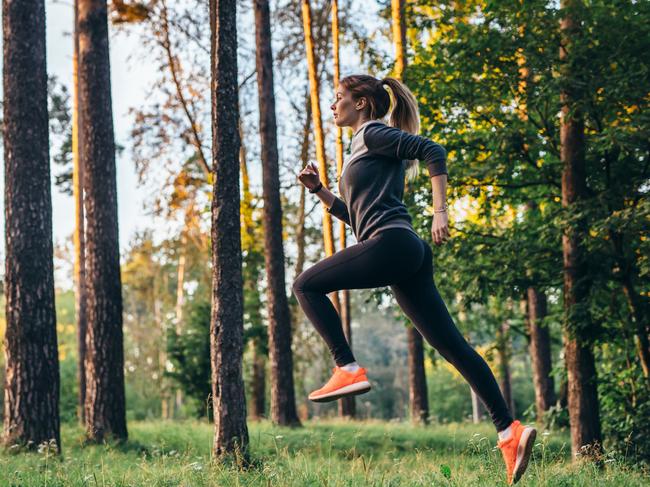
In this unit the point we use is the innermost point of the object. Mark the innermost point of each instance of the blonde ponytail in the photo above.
(405, 116)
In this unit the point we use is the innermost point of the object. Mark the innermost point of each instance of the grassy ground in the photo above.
(322, 453)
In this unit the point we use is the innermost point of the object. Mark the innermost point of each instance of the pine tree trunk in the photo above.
(503, 350)
(79, 230)
(283, 401)
(180, 299)
(417, 376)
(31, 389)
(105, 402)
(540, 352)
(226, 325)
(251, 278)
(581, 371)
(478, 410)
(258, 389)
(328, 234)
(419, 402)
(398, 26)
(347, 405)
(296, 311)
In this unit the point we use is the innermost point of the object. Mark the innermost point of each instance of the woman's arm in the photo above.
(335, 205)
(440, 224)
(393, 142)
(310, 178)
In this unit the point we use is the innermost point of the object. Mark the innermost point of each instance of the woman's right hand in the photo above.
(309, 176)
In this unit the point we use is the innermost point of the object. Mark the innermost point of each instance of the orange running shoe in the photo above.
(516, 450)
(342, 383)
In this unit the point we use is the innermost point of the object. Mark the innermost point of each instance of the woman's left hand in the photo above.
(440, 228)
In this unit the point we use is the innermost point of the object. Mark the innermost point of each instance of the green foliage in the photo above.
(189, 352)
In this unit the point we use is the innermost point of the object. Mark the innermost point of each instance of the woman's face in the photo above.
(344, 108)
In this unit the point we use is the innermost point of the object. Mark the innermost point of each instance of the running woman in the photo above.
(389, 252)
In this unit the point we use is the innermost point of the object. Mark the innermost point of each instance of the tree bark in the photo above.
(347, 405)
(540, 351)
(418, 397)
(283, 401)
(328, 234)
(226, 324)
(31, 389)
(258, 389)
(79, 230)
(105, 403)
(505, 379)
(251, 279)
(581, 371)
(418, 394)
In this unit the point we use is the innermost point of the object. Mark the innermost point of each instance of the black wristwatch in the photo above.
(317, 188)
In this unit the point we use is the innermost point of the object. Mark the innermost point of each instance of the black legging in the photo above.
(399, 258)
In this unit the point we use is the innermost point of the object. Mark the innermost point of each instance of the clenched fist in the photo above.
(309, 176)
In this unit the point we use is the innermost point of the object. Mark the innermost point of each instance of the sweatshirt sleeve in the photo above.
(339, 210)
(393, 142)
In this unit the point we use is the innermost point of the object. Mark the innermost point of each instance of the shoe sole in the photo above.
(524, 450)
(349, 390)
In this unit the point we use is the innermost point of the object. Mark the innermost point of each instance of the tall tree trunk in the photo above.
(418, 395)
(347, 405)
(79, 230)
(226, 324)
(105, 403)
(540, 351)
(398, 26)
(503, 350)
(180, 299)
(165, 406)
(283, 401)
(328, 234)
(582, 386)
(251, 278)
(258, 392)
(418, 398)
(31, 389)
(535, 302)
(303, 408)
(478, 410)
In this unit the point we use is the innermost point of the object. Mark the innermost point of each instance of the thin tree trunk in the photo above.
(180, 299)
(418, 398)
(399, 36)
(535, 302)
(540, 351)
(105, 403)
(165, 406)
(347, 405)
(226, 324)
(300, 244)
(258, 391)
(418, 394)
(79, 230)
(328, 234)
(258, 386)
(283, 401)
(582, 382)
(503, 350)
(31, 400)
(478, 410)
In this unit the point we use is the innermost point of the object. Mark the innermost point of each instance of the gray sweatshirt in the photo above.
(372, 178)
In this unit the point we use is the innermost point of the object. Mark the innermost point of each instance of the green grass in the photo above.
(322, 453)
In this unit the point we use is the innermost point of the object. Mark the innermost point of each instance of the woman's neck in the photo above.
(357, 125)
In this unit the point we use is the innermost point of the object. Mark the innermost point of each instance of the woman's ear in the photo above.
(361, 103)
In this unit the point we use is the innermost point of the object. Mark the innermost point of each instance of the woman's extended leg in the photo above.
(389, 257)
(418, 296)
